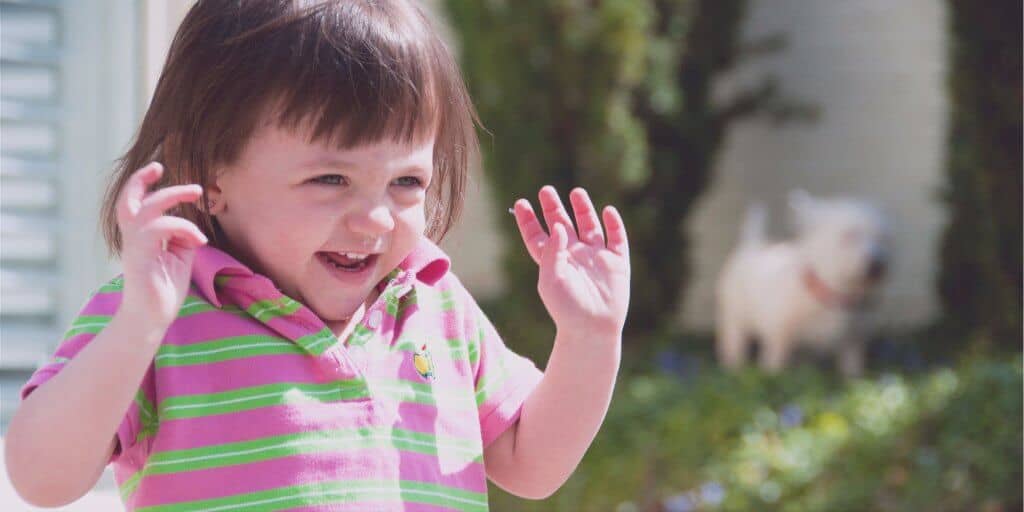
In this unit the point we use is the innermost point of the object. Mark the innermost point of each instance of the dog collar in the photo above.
(823, 293)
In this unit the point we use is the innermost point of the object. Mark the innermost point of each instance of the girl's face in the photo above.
(306, 215)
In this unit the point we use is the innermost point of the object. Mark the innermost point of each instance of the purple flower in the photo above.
(791, 416)
(712, 493)
(679, 503)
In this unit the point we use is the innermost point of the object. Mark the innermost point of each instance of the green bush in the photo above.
(943, 440)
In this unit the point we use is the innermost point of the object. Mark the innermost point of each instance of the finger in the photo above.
(164, 231)
(617, 240)
(556, 244)
(554, 211)
(130, 200)
(157, 203)
(529, 227)
(586, 217)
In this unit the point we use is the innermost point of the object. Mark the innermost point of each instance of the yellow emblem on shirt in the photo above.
(423, 362)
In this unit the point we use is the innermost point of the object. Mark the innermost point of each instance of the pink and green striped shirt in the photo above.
(252, 403)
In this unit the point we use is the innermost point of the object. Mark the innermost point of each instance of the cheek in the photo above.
(413, 219)
(290, 229)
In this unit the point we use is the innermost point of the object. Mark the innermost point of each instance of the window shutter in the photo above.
(30, 149)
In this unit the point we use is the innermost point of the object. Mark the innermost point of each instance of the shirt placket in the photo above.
(293, 320)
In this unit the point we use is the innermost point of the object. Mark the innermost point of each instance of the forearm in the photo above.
(565, 411)
(61, 436)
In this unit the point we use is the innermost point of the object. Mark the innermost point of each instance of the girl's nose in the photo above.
(371, 219)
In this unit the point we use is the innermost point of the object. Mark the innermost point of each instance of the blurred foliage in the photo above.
(944, 439)
(980, 281)
(616, 96)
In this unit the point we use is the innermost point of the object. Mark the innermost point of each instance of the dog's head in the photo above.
(844, 240)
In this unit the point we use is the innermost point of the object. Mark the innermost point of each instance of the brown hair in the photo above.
(353, 71)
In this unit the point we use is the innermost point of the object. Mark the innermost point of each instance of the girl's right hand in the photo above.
(157, 250)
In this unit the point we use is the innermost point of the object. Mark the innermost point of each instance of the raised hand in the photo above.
(157, 249)
(584, 279)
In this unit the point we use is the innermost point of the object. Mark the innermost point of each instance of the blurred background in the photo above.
(682, 113)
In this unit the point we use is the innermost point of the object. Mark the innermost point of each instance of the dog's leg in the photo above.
(851, 358)
(775, 351)
(731, 344)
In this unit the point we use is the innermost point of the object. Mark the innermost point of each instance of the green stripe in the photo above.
(268, 448)
(447, 300)
(92, 324)
(360, 335)
(267, 310)
(194, 305)
(407, 301)
(147, 417)
(317, 342)
(488, 384)
(146, 410)
(192, 406)
(114, 285)
(224, 349)
(391, 302)
(350, 491)
(127, 488)
(474, 350)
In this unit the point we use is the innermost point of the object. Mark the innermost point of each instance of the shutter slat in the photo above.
(25, 111)
(35, 83)
(27, 194)
(26, 167)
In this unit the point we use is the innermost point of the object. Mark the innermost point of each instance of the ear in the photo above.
(214, 195)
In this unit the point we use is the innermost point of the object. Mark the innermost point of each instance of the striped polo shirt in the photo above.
(252, 403)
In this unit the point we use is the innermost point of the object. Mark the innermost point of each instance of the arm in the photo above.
(584, 284)
(70, 422)
(537, 455)
(65, 431)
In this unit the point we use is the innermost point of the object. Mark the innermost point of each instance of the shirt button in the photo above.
(375, 318)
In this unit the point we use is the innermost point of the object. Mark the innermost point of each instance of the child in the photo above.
(285, 335)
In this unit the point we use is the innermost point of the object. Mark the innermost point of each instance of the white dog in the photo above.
(807, 292)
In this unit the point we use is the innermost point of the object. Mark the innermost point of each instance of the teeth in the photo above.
(355, 255)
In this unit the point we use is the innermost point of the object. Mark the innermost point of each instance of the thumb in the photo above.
(556, 243)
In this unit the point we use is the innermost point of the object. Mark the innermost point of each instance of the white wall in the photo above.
(876, 68)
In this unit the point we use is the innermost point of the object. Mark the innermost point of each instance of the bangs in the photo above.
(348, 73)
(340, 73)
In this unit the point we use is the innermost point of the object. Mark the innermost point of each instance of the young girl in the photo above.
(285, 335)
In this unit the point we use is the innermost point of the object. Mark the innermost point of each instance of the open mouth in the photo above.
(347, 261)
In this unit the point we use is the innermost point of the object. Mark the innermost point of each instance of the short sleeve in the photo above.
(504, 379)
(139, 420)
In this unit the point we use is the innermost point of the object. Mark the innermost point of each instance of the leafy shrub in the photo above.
(944, 440)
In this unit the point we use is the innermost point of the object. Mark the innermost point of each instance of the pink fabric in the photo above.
(228, 409)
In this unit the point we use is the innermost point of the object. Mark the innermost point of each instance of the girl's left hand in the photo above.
(584, 279)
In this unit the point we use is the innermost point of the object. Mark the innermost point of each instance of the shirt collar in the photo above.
(427, 262)
(208, 264)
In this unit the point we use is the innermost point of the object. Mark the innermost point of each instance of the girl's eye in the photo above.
(409, 181)
(329, 179)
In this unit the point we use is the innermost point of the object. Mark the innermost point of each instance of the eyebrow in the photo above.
(336, 163)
